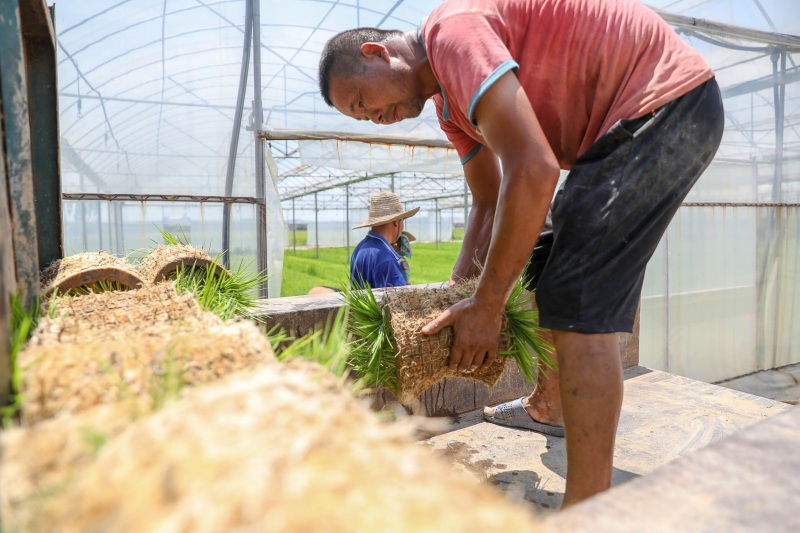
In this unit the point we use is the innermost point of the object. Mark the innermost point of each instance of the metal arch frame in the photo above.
(447, 184)
(695, 25)
(699, 25)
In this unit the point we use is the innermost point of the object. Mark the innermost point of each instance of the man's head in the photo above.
(368, 74)
(386, 215)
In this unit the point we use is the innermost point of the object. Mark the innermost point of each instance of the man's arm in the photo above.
(482, 173)
(530, 173)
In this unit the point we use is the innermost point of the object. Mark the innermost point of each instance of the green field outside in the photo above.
(301, 235)
(303, 271)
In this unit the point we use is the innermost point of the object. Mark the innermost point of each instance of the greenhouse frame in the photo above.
(203, 118)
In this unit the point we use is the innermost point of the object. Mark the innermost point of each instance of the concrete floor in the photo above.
(664, 417)
(746, 483)
(781, 384)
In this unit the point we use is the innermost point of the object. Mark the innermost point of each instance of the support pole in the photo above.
(777, 222)
(112, 224)
(100, 226)
(120, 229)
(237, 126)
(83, 219)
(258, 114)
(316, 224)
(436, 219)
(779, 95)
(294, 230)
(347, 219)
(466, 206)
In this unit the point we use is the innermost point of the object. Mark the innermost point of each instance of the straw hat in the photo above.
(385, 207)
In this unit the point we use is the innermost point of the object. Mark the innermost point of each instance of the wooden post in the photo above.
(8, 280)
(38, 36)
(17, 137)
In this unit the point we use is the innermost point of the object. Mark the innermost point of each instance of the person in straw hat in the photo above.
(375, 262)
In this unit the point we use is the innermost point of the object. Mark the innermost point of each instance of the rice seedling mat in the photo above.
(164, 261)
(422, 360)
(88, 268)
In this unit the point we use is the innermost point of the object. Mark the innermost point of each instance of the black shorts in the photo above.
(616, 203)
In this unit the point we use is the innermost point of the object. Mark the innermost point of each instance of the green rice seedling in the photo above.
(96, 288)
(371, 347)
(52, 304)
(167, 238)
(279, 340)
(227, 295)
(94, 439)
(326, 346)
(21, 325)
(525, 335)
(168, 383)
(171, 239)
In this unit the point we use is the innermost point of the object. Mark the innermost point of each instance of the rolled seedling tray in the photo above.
(164, 261)
(423, 360)
(85, 269)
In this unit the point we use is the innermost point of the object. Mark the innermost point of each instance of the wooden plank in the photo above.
(8, 280)
(749, 481)
(19, 168)
(37, 22)
(40, 57)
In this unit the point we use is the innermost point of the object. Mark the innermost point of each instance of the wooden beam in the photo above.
(36, 22)
(17, 136)
(40, 62)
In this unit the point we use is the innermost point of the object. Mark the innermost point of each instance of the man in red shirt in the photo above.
(524, 88)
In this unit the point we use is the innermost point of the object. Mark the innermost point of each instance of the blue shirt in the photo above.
(375, 261)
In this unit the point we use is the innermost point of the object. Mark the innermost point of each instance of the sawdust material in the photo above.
(86, 268)
(71, 378)
(111, 314)
(164, 261)
(131, 346)
(422, 360)
(38, 462)
(284, 448)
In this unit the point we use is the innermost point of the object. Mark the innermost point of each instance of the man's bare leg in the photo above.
(591, 398)
(544, 403)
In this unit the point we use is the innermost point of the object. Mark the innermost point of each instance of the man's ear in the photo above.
(375, 50)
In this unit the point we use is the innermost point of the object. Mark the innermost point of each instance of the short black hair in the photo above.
(341, 52)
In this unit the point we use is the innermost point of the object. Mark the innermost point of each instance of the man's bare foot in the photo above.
(542, 407)
(514, 414)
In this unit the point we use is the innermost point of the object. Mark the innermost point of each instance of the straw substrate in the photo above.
(87, 269)
(133, 346)
(283, 448)
(422, 360)
(163, 262)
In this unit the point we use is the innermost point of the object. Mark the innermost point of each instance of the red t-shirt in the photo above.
(584, 64)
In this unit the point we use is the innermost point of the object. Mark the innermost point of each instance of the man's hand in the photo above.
(476, 331)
